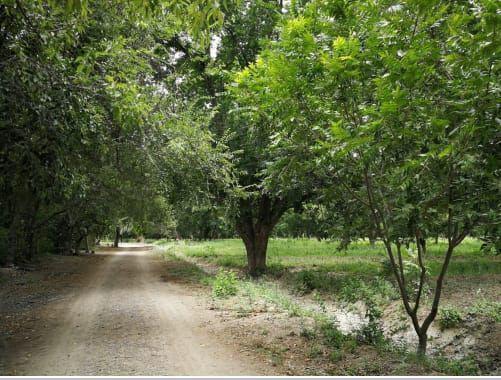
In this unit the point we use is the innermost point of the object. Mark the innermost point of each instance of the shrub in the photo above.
(307, 281)
(332, 336)
(449, 317)
(374, 291)
(225, 284)
(462, 367)
(372, 332)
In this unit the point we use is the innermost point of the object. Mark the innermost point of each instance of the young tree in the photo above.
(403, 126)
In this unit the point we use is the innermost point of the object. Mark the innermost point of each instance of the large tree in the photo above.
(89, 129)
(401, 101)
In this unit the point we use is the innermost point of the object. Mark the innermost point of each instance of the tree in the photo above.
(408, 122)
(246, 26)
(384, 98)
(272, 108)
(82, 110)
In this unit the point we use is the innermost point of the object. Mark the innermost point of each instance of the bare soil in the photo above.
(117, 312)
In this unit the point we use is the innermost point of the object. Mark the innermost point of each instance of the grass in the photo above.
(184, 270)
(360, 258)
(358, 273)
(491, 309)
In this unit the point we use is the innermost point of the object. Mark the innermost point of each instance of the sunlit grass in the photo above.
(360, 258)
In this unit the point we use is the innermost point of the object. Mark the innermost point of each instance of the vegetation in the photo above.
(287, 290)
(370, 126)
(225, 284)
(449, 317)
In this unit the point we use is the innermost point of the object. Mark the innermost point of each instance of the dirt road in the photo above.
(128, 318)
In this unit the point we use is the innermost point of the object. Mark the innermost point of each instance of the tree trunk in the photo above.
(423, 341)
(78, 242)
(254, 225)
(22, 230)
(13, 240)
(117, 236)
(30, 240)
(256, 247)
(372, 238)
(344, 243)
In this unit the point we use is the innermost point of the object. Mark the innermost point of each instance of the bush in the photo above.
(306, 281)
(449, 317)
(225, 284)
(375, 291)
(333, 337)
(462, 367)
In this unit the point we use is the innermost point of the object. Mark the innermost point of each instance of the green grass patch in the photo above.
(360, 258)
(183, 269)
(489, 309)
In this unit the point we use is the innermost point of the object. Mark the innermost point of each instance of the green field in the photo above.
(360, 258)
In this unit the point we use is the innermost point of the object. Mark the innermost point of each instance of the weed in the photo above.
(321, 302)
(332, 336)
(336, 356)
(376, 291)
(449, 317)
(225, 284)
(307, 333)
(307, 280)
(350, 344)
(488, 308)
(315, 352)
(185, 270)
(275, 270)
(462, 367)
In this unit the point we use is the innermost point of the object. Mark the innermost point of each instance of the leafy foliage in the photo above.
(225, 284)
(449, 317)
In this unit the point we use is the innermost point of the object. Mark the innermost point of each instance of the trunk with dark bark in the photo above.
(14, 243)
(22, 230)
(78, 243)
(117, 236)
(344, 243)
(254, 225)
(423, 342)
(372, 238)
(256, 247)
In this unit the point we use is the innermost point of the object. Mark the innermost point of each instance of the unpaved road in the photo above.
(127, 318)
